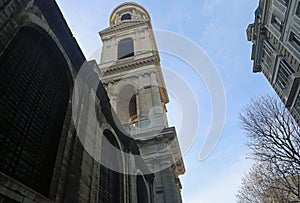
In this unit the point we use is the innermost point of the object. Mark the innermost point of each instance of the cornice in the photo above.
(129, 64)
(124, 25)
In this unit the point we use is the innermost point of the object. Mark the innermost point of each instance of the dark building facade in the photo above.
(275, 35)
(42, 158)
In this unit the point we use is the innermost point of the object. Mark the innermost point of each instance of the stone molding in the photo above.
(125, 65)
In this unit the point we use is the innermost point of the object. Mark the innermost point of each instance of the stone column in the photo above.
(141, 97)
(169, 184)
(148, 95)
(155, 93)
(136, 93)
(110, 87)
(114, 101)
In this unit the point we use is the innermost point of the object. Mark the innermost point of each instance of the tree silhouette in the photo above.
(274, 143)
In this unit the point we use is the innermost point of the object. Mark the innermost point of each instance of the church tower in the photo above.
(131, 72)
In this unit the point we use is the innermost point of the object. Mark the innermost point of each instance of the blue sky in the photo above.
(218, 27)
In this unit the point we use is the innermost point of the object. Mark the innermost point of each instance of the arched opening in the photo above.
(126, 16)
(34, 95)
(142, 194)
(133, 109)
(127, 105)
(125, 48)
(111, 187)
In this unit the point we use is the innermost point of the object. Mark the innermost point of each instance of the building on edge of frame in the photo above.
(275, 35)
(42, 156)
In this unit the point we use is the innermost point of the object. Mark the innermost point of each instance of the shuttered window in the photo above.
(295, 41)
(268, 56)
(283, 75)
(125, 48)
(276, 23)
(297, 104)
(110, 181)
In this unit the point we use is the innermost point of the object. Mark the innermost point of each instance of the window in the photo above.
(284, 2)
(126, 16)
(133, 109)
(267, 56)
(125, 48)
(295, 41)
(127, 105)
(276, 23)
(298, 10)
(110, 187)
(297, 104)
(284, 72)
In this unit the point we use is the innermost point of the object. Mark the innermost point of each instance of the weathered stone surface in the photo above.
(76, 172)
(142, 72)
(275, 36)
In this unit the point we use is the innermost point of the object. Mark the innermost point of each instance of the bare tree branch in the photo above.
(274, 142)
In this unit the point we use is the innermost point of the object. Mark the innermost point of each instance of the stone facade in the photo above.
(275, 35)
(132, 75)
(42, 156)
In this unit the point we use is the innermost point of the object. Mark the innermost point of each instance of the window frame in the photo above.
(284, 2)
(294, 40)
(297, 12)
(126, 16)
(276, 23)
(125, 48)
(268, 56)
(284, 72)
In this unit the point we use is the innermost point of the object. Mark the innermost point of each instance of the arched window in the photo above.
(34, 95)
(133, 109)
(127, 105)
(126, 16)
(110, 181)
(125, 48)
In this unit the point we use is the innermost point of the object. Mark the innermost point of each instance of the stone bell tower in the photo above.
(131, 72)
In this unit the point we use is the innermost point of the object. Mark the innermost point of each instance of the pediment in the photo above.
(123, 25)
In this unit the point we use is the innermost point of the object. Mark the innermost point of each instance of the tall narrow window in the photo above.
(110, 181)
(298, 10)
(295, 41)
(125, 48)
(267, 56)
(297, 104)
(133, 109)
(276, 23)
(284, 72)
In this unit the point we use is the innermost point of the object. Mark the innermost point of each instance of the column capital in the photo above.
(136, 91)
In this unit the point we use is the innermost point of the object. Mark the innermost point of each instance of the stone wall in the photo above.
(76, 170)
